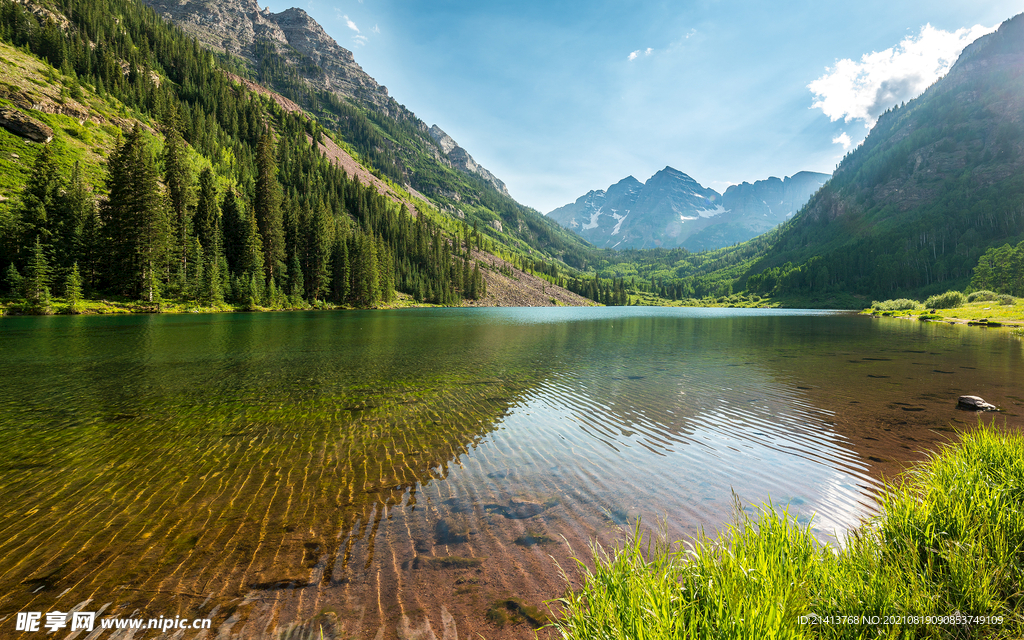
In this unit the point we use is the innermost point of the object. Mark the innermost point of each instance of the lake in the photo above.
(396, 474)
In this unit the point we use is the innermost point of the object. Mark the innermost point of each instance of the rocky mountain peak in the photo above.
(461, 160)
(673, 210)
(443, 139)
(236, 26)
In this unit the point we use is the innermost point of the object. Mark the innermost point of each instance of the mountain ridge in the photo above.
(673, 210)
(937, 181)
(242, 29)
(237, 26)
(461, 160)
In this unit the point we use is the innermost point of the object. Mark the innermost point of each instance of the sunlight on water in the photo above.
(381, 471)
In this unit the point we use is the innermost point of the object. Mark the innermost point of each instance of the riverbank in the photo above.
(990, 313)
(506, 286)
(59, 306)
(941, 561)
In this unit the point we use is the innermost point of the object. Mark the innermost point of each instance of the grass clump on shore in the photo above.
(948, 300)
(982, 296)
(948, 543)
(900, 304)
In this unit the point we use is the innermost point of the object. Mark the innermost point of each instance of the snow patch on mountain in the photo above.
(711, 213)
(618, 225)
(593, 219)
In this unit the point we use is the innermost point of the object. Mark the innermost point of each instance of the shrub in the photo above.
(948, 300)
(982, 296)
(900, 304)
(1005, 299)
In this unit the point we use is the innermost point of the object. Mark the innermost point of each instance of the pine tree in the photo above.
(197, 258)
(319, 249)
(475, 283)
(37, 277)
(365, 278)
(135, 219)
(254, 290)
(207, 218)
(385, 272)
(71, 217)
(296, 283)
(73, 289)
(340, 269)
(212, 289)
(14, 281)
(178, 178)
(38, 199)
(233, 224)
(268, 208)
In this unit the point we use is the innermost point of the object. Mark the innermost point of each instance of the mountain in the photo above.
(937, 182)
(673, 210)
(461, 160)
(753, 209)
(290, 54)
(156, 175)
(662, 212)
(241, 28)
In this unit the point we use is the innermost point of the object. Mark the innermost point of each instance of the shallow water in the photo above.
(382, 473)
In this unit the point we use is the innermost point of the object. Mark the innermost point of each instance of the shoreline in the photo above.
(15, 307)
(978, 314)
(899, 573)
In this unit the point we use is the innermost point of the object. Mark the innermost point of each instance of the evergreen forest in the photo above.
(168, 180)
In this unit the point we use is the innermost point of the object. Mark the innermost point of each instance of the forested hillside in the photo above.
(211, 192)
(291, 54)
(136, 164)
(937, 182)
(932, 200)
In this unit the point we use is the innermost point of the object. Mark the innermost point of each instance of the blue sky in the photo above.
(557, 98)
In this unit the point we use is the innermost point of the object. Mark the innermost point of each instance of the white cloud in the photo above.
(376, 29)
(863, 90)
(843, 139)
(691, 33)
(636, 54)
(360, 40)
(351, 25)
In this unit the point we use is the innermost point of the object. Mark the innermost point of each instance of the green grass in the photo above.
(1004, 309)
(949, 539)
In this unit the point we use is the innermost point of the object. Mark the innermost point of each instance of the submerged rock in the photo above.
(516, 510)
(974, 403)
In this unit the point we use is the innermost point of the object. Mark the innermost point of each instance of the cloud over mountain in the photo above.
(864, 89)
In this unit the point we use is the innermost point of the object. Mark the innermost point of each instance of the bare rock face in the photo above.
(22, 125)
(443, 139)
(974, 403)
(460, 159)
(236, 26)
(242, 28)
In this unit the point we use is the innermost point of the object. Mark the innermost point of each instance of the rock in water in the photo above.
(974, 403)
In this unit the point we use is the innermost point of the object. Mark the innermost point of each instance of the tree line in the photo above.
(234, 201)
(1001, 269)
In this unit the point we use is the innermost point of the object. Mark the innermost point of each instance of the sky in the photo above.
(557, 98)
